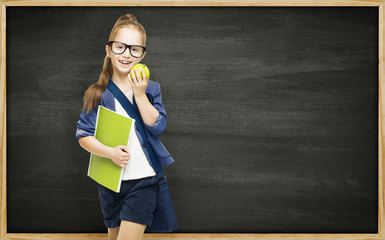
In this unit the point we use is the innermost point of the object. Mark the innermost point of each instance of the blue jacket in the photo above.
(86, 123)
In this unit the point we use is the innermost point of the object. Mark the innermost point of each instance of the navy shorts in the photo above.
(135, 202)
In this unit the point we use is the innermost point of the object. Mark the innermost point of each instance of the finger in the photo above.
(138, 75)
(134, 80)
(125, 158)
(120, 164)
(123, 161)
(130, 80)
(123, 149)
(144, 75)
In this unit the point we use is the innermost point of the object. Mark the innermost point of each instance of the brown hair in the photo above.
(94, 92)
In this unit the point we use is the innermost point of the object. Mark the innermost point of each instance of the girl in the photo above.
(126, 214)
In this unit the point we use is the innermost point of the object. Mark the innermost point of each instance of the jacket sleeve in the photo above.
(161, 121)
(86, 124)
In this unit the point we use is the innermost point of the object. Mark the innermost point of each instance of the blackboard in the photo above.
(272, 116)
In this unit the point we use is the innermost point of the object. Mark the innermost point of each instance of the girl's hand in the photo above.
(138, 84)
(120, 155)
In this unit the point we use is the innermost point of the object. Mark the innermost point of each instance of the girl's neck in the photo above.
(122, 82)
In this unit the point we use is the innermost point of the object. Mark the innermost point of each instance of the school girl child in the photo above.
(127, 213)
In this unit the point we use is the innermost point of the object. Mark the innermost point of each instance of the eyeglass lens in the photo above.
(119, 48)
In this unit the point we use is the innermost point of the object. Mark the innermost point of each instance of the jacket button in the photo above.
(144, 145)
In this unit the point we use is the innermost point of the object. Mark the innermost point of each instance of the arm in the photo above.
(85, 135)
(147, 111)
(118, 154)
(153, 114)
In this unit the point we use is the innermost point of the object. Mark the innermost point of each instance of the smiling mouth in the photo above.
(124, 62)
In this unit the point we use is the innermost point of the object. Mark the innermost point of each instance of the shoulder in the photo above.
(108, 99)
(107, 93)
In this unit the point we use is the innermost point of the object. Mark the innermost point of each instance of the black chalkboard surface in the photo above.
(272, 116)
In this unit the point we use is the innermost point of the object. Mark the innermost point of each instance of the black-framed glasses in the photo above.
(119, 48)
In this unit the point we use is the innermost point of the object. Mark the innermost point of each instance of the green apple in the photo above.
(139, 66)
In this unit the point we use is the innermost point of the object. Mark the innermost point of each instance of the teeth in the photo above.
(124, 62)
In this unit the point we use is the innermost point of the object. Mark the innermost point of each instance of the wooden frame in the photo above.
(381, 121)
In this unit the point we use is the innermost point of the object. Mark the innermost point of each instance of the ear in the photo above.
(144, 54)
(108, 51)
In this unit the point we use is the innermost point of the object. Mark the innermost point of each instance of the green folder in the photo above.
(112, 129)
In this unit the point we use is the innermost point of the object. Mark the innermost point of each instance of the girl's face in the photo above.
(129, 36)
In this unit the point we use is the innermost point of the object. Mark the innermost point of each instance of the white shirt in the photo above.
(138, 165)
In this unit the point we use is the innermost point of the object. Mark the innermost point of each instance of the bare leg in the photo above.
(131, 231)
(113, 233)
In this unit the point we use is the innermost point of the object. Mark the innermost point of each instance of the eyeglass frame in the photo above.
(126, 46)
